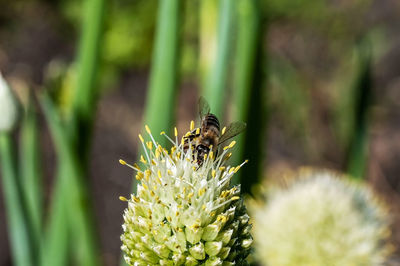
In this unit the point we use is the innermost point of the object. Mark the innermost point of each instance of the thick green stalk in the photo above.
(246, 51)
(56, 243)
(72, 142)
(76, 165)
(86, 87)
(214, 91)
(79, 214)
(207, 38)
(31, 176)
(159, 113)
(357, 153)
(247, 96)
(19, 228)
(86, 92)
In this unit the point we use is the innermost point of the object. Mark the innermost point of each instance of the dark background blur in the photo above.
(309, 66)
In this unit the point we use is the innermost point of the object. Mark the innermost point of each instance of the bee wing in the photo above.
(204, 107)
(232, 130)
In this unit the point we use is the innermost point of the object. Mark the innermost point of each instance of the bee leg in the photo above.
(191, 136)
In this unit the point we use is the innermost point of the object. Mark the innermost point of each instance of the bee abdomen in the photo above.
(212, 120)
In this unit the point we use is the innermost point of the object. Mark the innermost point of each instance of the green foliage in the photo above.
(159, 113)
(353, 99)
(20, 231)
(357, 160)
(128, 37)
(31, 175)
(23, 217)
(71, 137)
(214, 91)
(248, 104)
(78, 210)
(129, 34)
(208, 17)
(57, 239)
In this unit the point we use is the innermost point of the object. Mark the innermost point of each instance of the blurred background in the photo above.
(318, 83)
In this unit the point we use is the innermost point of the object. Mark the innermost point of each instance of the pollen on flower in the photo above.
(139, 176)
(223, 131)
(121, 198)
(141, 138)
(168, 223)
(149, 145)
(232, 144)
(142, 159)
(147, 129)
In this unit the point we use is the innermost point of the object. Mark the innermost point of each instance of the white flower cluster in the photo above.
(321, 219)
(184, 213)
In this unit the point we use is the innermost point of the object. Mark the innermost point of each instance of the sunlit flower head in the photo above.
(320, 219)
(184, 213)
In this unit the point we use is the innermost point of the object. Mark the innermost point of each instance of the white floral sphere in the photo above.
(321, 219)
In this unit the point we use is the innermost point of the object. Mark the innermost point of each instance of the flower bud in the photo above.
(8, 107)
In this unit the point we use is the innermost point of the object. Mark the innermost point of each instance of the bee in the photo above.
(208, 136)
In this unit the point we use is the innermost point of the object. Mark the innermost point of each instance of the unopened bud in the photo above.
(8, 107)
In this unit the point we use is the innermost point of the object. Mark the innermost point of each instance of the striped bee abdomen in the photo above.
(210, 121)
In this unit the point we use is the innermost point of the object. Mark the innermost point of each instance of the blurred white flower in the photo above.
(321, 219)
(183, 213)
(8, 107)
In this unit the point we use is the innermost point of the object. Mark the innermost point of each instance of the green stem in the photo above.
(208, 33)
(159, 113)
(86, 92)
(31, 173)
(19, 230)
(56, 244)
(214, 91)
(72, 144)
(357, 155)
(247, 96)
(75, 188)
(246, 51)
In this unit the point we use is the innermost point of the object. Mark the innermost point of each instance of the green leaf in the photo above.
(31, 175)
(215, 87)
(18, 226)
(159, 113)
(247, 94)
(75, 189)
(357, 152)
